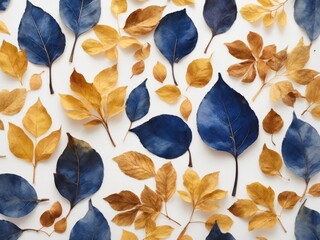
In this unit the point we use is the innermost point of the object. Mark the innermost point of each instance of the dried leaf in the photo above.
(280, 89)
(12, 102)
(137, 68)
(126, 42)
(112, 54)
(270, 162)
(261, 195)
(191, 181)
(46, 219)
(272, 123)
(35, 81)
(1, 125)
(151, 201)
(106, 80)
(183, 2)
(125, 218)
(186, 237)
(252, 12)
(47, 146)
(268, 19)
(263, 69)
(126, 235)
(240, 50)
(166, 180)
(143, 53)
(169, 93)
(122, 201)
(316, 112)
(256, 43)
(282, 18)
(4, 28)
(261, 238)
(243, 208)
(265, 219)
(185, 196)
(159, 72)
(240, 69)
(278, 60)
(298, 57)
(302, 76)
(199, 72)
(144, 218)
(250, 75)
(116, 102)
(92, 123)
(268, 52)
(186, 109)
(288, 200)
(224, 222)
(315, 190)
(313, 91)
(136, 165)
(159, 232)
(118, 7)
(76, 109)
(56, 209)
(61, 225)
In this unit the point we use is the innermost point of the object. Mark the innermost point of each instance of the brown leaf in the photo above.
(12, 102)
(107, 79)
(263, 69)
(1, 125)
(35, 81)
(125, 218)
(288, 200)
(77, 110)
(126, 235)
(240, 69)
(270, 162)
(143, 53)
(137, 68)
(47, 146)
(166, 180)
(243, 208)
(265, 219)
(252, 12)
(278, 60)
(316, 112)
(290, 98)
(60, 226)
(159, 72)
(136, 165)
(186, 109)
(159, 232)
(240, 50)
(47, 219)
(256, 43)
(169, 93)
(268, 52)
(151, 200)
(224, 222)
(118, 7)
(315, 190)
(280, 89)
(302, 76)
(250, 75)
(313, 91)
(298, 57)
(261, 195)
(56, 209)
(116, 102)
(199, 72)
(272, 123)
(124, 200)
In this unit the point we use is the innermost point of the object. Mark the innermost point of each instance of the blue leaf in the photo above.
(4, 4)
(17, 197)
(301, 149)
(219, 16)
(9, 231)
(92, 226)
(307, 16)
(226, 122)
(79, 16)
(41, 37)
(80, 171)
(166, 136)
(176, 36)
(307, 225)
(216, 234)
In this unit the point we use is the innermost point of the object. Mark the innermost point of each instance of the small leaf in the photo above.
(9, 231)
(61, 225)
(107, 79)
(261, 195)
(224, 222)
(116, 102)
(270, 162)
(166, 181)
(199, 72)
(12, 102)
(243, 208)
(316, 112)
(46, 219)
(256, 43)
(252, 12)
(313, 92)
(288, 199)
(126, 235)
(303, 76)
(272, 123)
(169, 93)
(183, 2)
(56, 209)
(125, 218)
(159, 72)
(265, 219)
(282, 18)
(137, 68)
(315, 190)
(124, 200)
(118, 7)
(143, 53)
(186, 109)
(298, 57)
(127, 42)
(216, 234)
(35, 81)
(240, 50)
(4, 28)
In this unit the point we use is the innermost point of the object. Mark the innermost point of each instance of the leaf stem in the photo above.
(50, 80)
(284, 229)
(206, 49)
(234, 191)
(274, 144)
(105, 125)
(168, 217)
(190, 159)
(173, 75)
(186, 227)
(2, 156)
(35, 230)
(43, 200)
(127, 131)
(73, 48)
(305, 191)
(259, 91)
(310, 105)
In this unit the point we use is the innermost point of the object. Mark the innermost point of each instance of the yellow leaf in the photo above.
(76, 109)
(151, 200)
(298, 57)
(207, 206)
(118, 7)
(303, 76)
(126, 235)
(94, 47)
(206, 185)
(143, 21)
(243, 208)
(47, 146)
(261, 238)
(282, 18)
(166, 180)
(270, 162)
(312, 91)
(37, 120)
(107, 79)
(199, 72)
(126, 42)
(266, 3)
(272, 123)
(288, 199)
(169, 93)
(35, 81)
(185, 196)
(186, 109)
(112, 54)
(136, 165)
(150, 226)
(116, 102)
(186, 237)
(265, 219)
(12, 61)
(92, 123)
(1, 125)
(160, 232)
(61, 225)
(316, 112)
(268, 19)
(183, 2)
(137, 68)
(261, 195)
(280, 89)
(19, 143)
(122, 201)
(143, 53)
(315, 190)
(252, 12)
(4, 28)
(224, 222)
(12, 102)
(159, 72)
(217, 194)
(143, 219)
(191, 180)
(125, 218)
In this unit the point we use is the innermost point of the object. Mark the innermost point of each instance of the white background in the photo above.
(205, 160)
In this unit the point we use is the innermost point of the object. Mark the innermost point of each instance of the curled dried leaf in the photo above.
(288, 199)
(159, 72)
(186, 109)
(270, 162)
(137, 68)
(61, 225)
(169, 93)
(315, 190)
(199, 72)
(224, 222)
(243, 208)
(35, 81)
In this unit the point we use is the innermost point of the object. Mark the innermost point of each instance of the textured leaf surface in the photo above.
(12, 102)
(216, 234)
(9, 231)
(307, 225)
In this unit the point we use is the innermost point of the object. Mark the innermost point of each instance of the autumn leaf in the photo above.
(252, 12)
(315, 190)
(166, 179)
(199, 72)
(151, 201)
(272, 123)
(115, 102)
(4, 28)
(186, 109)
(265, 219)
(126, 235)
(261, 195)
(125, 218)
(48, 217)
(277, 60)
(137, 68)
(302, 76)
(106, 80)
(183, 2)
(127, 42)
(159, 72)
(1, 125)
(12, 102)
(313, 91)
(169, 93)
(159, 232)
(125, 200)
(261, 238)
(35, 81)
(316, 112)
(288, 199)
(243, 208)
(298, 57)
(118, 7)
(224, 222)
(240, 50)
(270, 162)
(285, 91)
(76, 109)
(143, 53)
(61, 225)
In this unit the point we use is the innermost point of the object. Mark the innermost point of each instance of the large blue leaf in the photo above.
(79, 16)
(9, 231)
(92, 226)
(216, 234)
(41, 37)
(307, 225)
(80, 171)
(226, 122)
(17, 197)
(301, 149)
(176, 36)
(4, 4)
(307, 16)
(166, 136)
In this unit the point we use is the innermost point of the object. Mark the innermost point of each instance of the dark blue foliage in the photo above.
(307, 16)
(17, 197)
(301, 149)
(92, 226)
(166, 136)
(216, 234)
(4, 4)
(80, 171)
(9, 231)
(138, 102)
(307, 225)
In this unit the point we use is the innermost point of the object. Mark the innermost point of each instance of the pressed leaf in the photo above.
(4, 28)
(313, 91)
(316, 112)
(268, 19)
(143, 53)
(46, 219)
(126, 235)
(159, 72)
(240, 50)
(137, 68)
(186, 109)
(224, 222)
(240, 69)
(263, 69)
(261, 195)
(151, 200)
(169, 93)
(199, 72)
(185, 196)
(256, 43)
(215, 233)
(112, 54)
(206, 186)
(272, 123)
(47, 146)
(125, 218)
(116, 102)
(288, 199)
(280, 90)
(315, 190)
(166, 181)
(61, 225)
(77, 110)
(127, 42)
(9, 231)
(243, 208)
(250, 75)
(118, 7)
(12, 102)
(107, 79)
(268, 52)
(282, 18)
(35, 81)
(160, 232)
(303, 76)
(56, 209)
(124, 200)
(265, 219)
(298, 57)
(277, 60)
(270, 162)
(252, 12)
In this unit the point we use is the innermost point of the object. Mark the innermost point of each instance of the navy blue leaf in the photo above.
(307, 16)
(307, 225)
(166, 136)
(17, 197)
(80, 171)
(219, 16)
(79, 16)
(216, 234)
(301, 149)
(92, 226)
(226, 122)
(176, 36)
(9, 231)
(41, 37)
(4, 4)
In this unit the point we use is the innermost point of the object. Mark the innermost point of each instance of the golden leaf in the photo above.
(272, 123)
(126, 42)
(137, 68)
(185, 196)
(12, 102)
(316, 112)
(37, 120)
(240, 50)
(191, 181)
(266, 3)
(107, 79)
(94, 47)
(76, 109)
(56, 209)
(252, 12)
(169, 93)
(183, 2)
(143, 53)
(199, 72)
(263, 69)
(92, 123)
(224, 222)
(112, 54)
(186, 237)
(46, 219)
(261, 238)
(261, 195)
(116, 102)
(151, 200)
(240, 69)
(125, 218)
(166, 180)
(250, 75)
(35, 81)
(288, 200)
(265, 219)
(60, 226)
(268, 52)
(280, 89)
(256, 43)
(302, 76)
(160, 232)
(4, 28)
(19, 143)
(143, 21)
(298, 57)
(270, 162)
(278, 60)
(47, 146)
(118, 7)
(315, 190)
(186, 109)
(124, 200)
(206, 185)
(159, 72)
(312, 91)
(282, 18)
(144, 218)
(268, 19)
(126, 235)
(136, 165)
(243, 208)
(12, 61)
(1, 125)
(150, 226)
(207, 206)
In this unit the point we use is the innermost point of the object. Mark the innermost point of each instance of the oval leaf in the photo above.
(288, 199)
(186, 109)
(80, 171)
(166, 181)
(199, 72)
(159, 72)
(9, 231)
(270, 162)
(169, 93)
(216, 234)
(12, 102)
